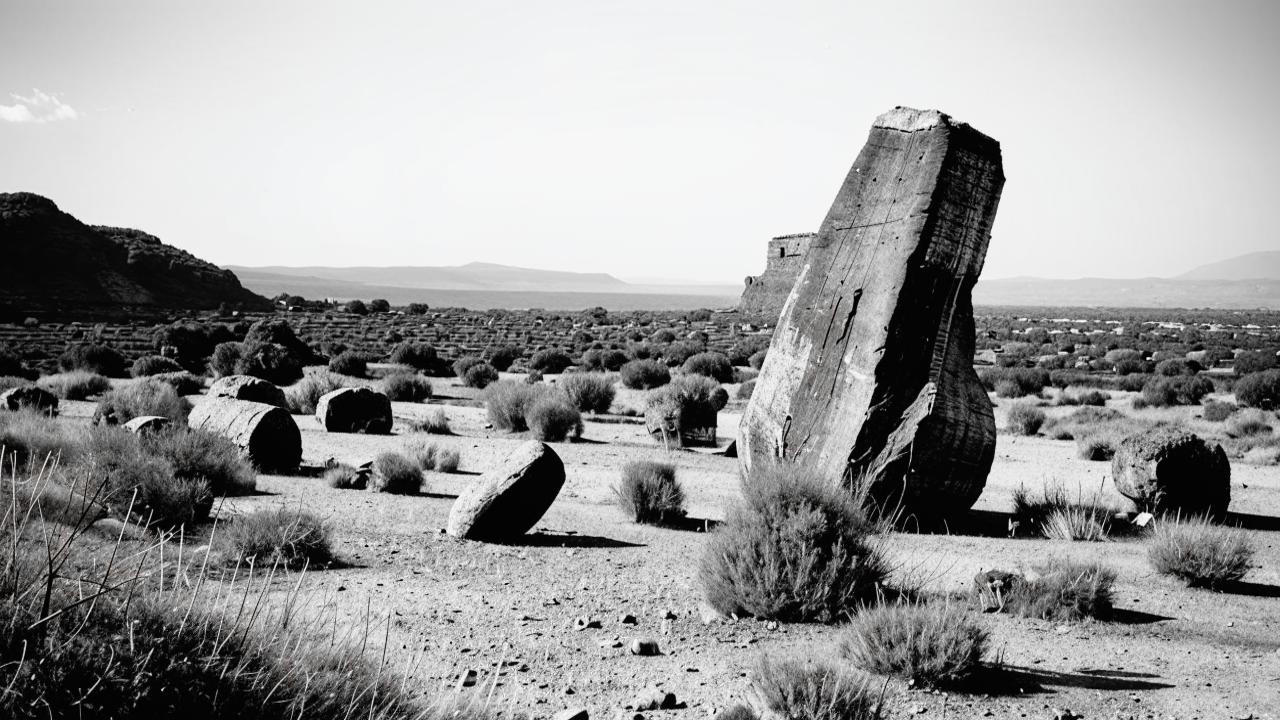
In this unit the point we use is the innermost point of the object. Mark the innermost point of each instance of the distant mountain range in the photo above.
(1254, 266)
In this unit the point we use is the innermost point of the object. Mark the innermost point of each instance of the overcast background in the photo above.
(644, 139)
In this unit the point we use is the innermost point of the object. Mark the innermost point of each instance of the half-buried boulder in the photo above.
(355, 410)
(147, 424)
(248, 387)
(266, 434)
(29, 397)
(511, 498)
(1173, 471)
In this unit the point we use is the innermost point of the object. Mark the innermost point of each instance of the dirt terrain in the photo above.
(455, 606)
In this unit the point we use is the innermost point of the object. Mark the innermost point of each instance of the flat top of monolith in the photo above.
(907, 119)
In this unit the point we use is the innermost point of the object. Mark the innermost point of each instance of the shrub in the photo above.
(430, 456)
(649, 492)
(465, 363)
(224, 359)
(268, 361)
(1091, 523)
(480, 376)
(930, 645)
(552, 361)
(448, 460)
(1247, 363)
(75, 385)
(190, 343)
(1199, 553)
(303, 396)
(808, 691)
(183, 383)
(757, 359)
(406, 387)
(12, 366)
(1173, 367)
(603, 360)
(553, 418)
(645, 374)
(418, 356)
(8, 382)
(285, 537)
(507, 402)
(394, 473)
(1259, 390)
(345, 477)
(1249, 423)
(153, 365)
(662, 337)
(144, 397)
(349, 363)
(137, 486)
(745, 390)
(711, 364)
(1216, 411)
(280, 332)
(679, 352)
(501, 358)
(1024, 419)
(100, 359)
(1063, 590)
(356, 307)
(1180, 390)
(795, 549)
(741, 351)
(589, 392)
(30, 437)
(1091, 398)
(200, 455)
(435, 423)
(1096, 448)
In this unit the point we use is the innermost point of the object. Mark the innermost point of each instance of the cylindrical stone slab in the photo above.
(265, 433)
(511, 498)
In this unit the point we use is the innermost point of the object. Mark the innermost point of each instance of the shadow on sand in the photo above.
(551, 539)
(1014, 680)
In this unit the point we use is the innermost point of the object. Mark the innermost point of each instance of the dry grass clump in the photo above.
(507, 402)
(590, 392)
(202, 455)
(1057, 516)
(1063, 590)
(136, 485)
(287, 538)
(435, 423)
(928, 644)
(304, 395)
(396, 474)
(1248, 423)
(440, 458)
(29, 437)
(797, 690)
(1217, 411)
(147, 396)
(345, 477)
(645, 374)
(406, 387)
(553, 418)
(1199, 553)
(1024, 419)
(75, 385)
(649, 492)
(795, 549)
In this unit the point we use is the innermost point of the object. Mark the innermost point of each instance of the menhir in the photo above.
(869, 381)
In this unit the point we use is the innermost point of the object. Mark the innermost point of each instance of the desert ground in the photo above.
(441, 607)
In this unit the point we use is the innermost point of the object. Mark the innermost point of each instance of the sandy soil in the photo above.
(454, 605)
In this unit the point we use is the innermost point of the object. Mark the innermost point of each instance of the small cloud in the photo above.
(40, 107)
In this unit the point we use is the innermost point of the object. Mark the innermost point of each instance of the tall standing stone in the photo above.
(869, 379)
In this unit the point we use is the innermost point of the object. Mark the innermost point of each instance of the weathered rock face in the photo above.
(764, 295)
(29, 397)
(1173, 471)
(247, 387)
(869, 377)
(511, 498)
(265, 433)
(353, 410)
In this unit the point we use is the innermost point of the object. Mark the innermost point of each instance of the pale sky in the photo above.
(650, 138)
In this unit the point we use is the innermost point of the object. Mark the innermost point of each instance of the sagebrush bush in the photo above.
(345, 477)
(797, 690)
(349, 363)
(603, 360)
(1096, 448)
(589, 392)
(12, 366)
(649, 492)
(435, 423)
(201, 455)
(1248, 423)
(554, 418)
(30, 437)
(507, 403)
(394, 473)
(679, 352)
(552, 361)
(1199, 553)
(440, 458)
(480, 376)
(795, 549)
(1259, 390)
(418, 356)
(465, 363)
(645, 374)
(502, 358)
(136, 485)
(147, 396)
(223, 360)
(1024, 419)
(1180, 390)
(711, 364)
(1063, 590)
(184, 383)
(1028, 381)
(75, 385)
(288, 538)
(100, 359)
(272, 362)
(1247, 363)
(406, 387)
(148, 365)
(304, 395)
(1217, 411)
(928, 644)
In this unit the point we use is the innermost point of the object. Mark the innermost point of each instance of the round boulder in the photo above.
(511, 498)
(352, 410)
(266, 434)
(1173, 471)
(247, 387)
(29, 397)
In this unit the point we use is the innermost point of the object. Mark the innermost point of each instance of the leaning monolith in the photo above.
(869, 380)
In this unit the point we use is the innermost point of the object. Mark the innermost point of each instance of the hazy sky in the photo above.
(645, 138)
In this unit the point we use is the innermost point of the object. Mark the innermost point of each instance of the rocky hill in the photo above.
(55, 263)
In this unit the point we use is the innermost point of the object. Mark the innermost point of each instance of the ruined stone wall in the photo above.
(765, 294)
